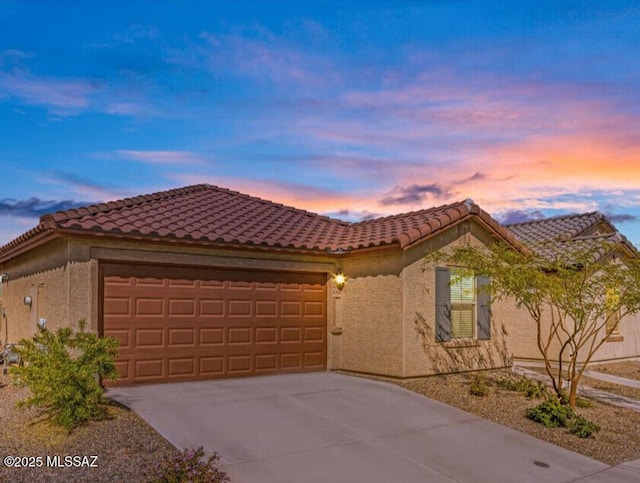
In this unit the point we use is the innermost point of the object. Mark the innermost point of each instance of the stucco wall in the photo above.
(422, 354)
(624, 346)
(371, 314)
(55, 287)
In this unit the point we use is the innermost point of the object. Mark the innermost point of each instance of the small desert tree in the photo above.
(570, 293)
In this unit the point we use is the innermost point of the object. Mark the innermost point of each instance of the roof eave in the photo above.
(29, 244)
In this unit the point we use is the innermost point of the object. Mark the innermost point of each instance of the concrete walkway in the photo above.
(325, 427)
(591, 392)
(623, 381)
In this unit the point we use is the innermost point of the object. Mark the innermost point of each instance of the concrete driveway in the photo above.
(323, 427)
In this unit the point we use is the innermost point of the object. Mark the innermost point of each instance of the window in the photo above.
(463, 306)
(613, 322)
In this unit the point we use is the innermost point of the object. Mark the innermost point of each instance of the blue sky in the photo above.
(351, 109)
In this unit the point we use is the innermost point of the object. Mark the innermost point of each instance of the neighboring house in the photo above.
(204, 282)
(565, 234)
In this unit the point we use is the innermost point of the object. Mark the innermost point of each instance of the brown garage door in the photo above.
(182, 324)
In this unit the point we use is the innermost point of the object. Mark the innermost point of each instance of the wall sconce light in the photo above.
(4, 277)
(27, 300)
(340, 279)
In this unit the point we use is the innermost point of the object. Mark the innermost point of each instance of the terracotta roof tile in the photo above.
(565, 234)
(562, 227)
(212, 214)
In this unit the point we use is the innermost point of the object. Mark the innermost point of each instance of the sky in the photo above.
(351, 109)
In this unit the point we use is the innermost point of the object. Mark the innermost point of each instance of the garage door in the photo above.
(183, 324)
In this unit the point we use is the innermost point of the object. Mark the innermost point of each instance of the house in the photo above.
(203, 282)
(564, 234)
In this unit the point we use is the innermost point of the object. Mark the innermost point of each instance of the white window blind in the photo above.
(463, 289)
(463, 297)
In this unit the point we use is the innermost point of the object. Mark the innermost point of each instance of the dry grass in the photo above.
(127, 448)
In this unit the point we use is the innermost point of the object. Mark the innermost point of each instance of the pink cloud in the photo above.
(61, 96)
(161, 157)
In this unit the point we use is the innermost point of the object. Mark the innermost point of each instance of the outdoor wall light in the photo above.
(4, 277)
(340, 279)
(27, 300)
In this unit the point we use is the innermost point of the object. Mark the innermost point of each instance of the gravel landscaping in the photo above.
(127, 448)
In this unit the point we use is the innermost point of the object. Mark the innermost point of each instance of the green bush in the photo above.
(63, 370)
(531, 389)
(479, 386)
(186, 465)
(553, 413)
(582, 428)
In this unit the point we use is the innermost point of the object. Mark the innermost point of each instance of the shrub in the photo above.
(479, 386)
(62, 370)
(551, 413)
(186, 465)
(531, 389)
(582, 428)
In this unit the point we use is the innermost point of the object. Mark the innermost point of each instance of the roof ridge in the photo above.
(412, 213)
(598, 214)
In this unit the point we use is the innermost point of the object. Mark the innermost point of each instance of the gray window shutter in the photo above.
(484, 308)
(443, 304)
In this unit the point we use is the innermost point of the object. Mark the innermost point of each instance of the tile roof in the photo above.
(209, 214)
(566, 234)
(562, 227)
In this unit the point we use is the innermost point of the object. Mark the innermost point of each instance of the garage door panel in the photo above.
(149, 369)
(314, 359)
(181, 367)
(149, 307)
(240, 308)
(266, 362)
(149, 337)
(211, 336)
(212, 366)
(239, 335)
(239, 364)
(182, 337)
(178, 324)
(122, 335)
(182, 307)
(266, 335)
(212, 308)
(290, 334)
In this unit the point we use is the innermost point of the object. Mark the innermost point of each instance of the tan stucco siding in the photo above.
(371, 314)
(55, 288)
(623, 346)
(422, 354)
